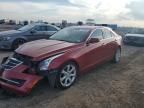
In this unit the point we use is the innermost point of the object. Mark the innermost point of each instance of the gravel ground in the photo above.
(109, 86)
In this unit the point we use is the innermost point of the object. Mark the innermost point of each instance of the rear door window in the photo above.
(50, 28)
(107, 33)
(41, 28)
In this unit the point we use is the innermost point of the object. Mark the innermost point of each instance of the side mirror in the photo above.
(94, 40)
(33, 31)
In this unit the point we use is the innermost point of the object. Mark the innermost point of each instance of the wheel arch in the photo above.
(73, 61)
(69, 61)
(19, 39)
(57, 83)
(16, 39)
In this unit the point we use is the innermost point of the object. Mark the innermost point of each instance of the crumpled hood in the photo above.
(10, 32)
(43, 47)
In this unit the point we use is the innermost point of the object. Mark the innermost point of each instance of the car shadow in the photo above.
(40, 93)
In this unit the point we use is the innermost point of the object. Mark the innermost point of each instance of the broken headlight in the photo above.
(43, 66)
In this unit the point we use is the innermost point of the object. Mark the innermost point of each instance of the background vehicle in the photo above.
(70, 52)
(14, 38)
(134, 39)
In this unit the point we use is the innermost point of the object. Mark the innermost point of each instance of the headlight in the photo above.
(43, 66)
(5, 38)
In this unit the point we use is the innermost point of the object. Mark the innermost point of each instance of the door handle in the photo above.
(103, 43)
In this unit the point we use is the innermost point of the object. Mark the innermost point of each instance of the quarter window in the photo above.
(49, 28)
(97, 34)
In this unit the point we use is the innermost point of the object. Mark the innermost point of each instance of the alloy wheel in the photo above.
(68, 75)
(18, 43)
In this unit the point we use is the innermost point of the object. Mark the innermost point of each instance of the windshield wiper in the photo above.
(67, 41)
(60, 40)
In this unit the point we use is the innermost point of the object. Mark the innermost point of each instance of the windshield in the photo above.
(26, 28)
(71, 34)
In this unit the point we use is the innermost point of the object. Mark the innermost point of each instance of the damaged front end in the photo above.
(17, 76)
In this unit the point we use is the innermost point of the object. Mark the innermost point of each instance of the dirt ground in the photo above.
(109, 86)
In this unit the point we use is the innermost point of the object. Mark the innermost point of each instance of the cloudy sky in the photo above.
(123, 12)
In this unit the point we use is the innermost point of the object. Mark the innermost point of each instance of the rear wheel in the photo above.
(117, 56)
(17, 43)
(67, 75)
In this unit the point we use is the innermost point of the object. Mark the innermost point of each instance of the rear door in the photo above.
(109, 43)
(39, 32)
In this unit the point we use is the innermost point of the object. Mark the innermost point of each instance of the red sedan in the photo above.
(61, 59)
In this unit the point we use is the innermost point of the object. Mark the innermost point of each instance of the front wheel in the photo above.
(17, 43)
(67, 75)
(117, 56)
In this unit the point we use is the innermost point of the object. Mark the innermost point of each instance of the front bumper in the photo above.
(17, 82)
(5, 44)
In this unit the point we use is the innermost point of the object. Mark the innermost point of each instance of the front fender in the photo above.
(59, 62)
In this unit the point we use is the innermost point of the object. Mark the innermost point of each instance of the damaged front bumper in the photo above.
(17, 82)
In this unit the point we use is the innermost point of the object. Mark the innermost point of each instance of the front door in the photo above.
(93, 53)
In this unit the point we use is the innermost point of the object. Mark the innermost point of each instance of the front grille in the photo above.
(11, 63)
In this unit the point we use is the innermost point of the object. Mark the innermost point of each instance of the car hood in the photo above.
(43, 48)
(135, 35)
(10, 32)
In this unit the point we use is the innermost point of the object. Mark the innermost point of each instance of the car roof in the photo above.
(45, 24)
(91, 27)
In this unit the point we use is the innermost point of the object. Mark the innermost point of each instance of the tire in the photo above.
(117, 56)
(17, 43)
(1, 70)
(67, 76)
